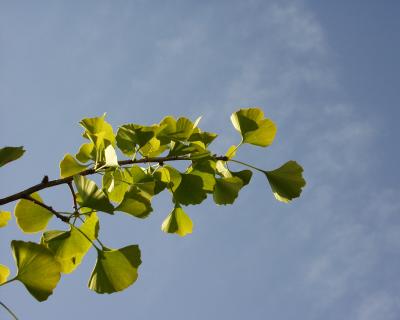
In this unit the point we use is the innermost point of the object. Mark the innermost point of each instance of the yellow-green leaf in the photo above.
(69, 166)
(135, 203)
(115, 270)
(8, 154)
(5, 216)
(30, 216)
(4, 273)
(86, 152)
(287, 181)
(254, 128)
(91, 196)
(69, 247)
(177, 222)
(38, 270)
(226, 190)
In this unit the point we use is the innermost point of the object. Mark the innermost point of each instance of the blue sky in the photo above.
(326, 72)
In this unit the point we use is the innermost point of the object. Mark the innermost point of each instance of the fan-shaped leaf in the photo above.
(5, 216)
(135, 203)
(91, 196)
(190, 190)
(287, 181)
(8, 154)
(69, 166)
(177, 222)
(115, 270)
(30, 216)
(38, 270)
(4, 273)
(226, 190)
(69, 247)
(253, 127)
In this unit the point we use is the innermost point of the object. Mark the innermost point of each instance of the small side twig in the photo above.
(58, 215)
(73, 196)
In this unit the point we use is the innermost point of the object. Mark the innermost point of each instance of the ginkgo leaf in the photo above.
(111, 157)
(38, 270)
(4, 273)
(170, 176)
(135, 203)
(226, 190)
(91, 196)
(117, 183)
(30, 216)
(190, 190)
(69, 247)
(177, 222)
(69, 166)
(206, 171)
(86, 152)
(115, 270)
(5, 216)
(8, 154)
(98, 130)
(253, 127)
(287, 181)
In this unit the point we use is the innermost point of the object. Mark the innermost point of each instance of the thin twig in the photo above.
(58, 215)
(73, 196)
(56, 182)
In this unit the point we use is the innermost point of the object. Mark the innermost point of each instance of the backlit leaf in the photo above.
(30, 216)
(38, 270)
(69, 166)
(69, 247)
(115, 270)
(99, 131)
(4, 273)
(190, 190)
(226, 190)
(91, 196)
(135, 203)
(177, 222)
(253, 127)
(5, 216)
(86, 152)
(8, 154)
(287, 181)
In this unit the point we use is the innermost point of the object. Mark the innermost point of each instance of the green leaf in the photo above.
(205, 138)
(227, 189)
(86, 152)
(135, 203)
(287, 181)
(91, 196)
(177, 222)
(205, 169)
(169, 176)
(99, 131)
(8, 154)
(253, 127)
(69, 166)
(244, 175)
(177, 130)
(190, 190)
(111, 157)
(5, 216)
(69, 247)
(38, 270)
(117, 183)
(131, 136)
(30, 216)
(115, 270)
(4, 273)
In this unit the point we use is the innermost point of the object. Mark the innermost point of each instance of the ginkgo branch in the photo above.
(52, 183)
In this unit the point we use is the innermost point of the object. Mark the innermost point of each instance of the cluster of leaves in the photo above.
(130, 188)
